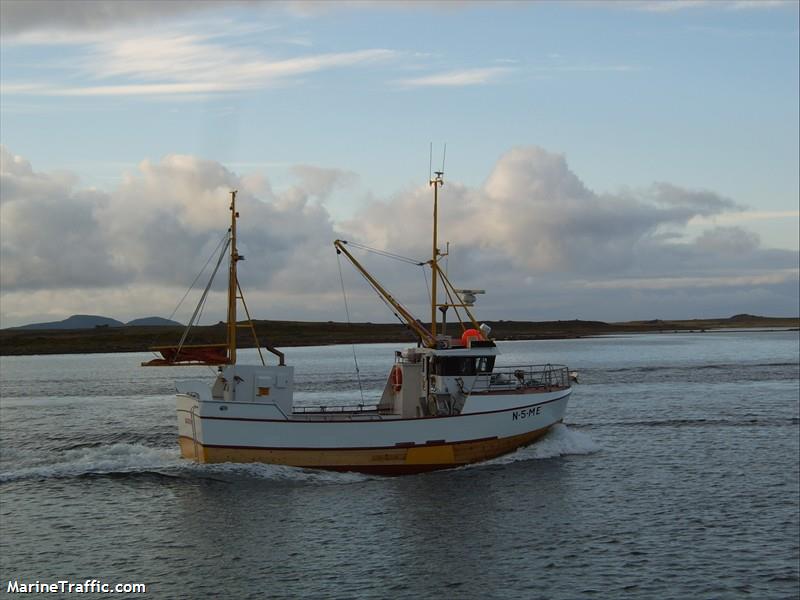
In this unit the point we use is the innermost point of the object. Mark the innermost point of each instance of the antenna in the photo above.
(444, 154)
(430, 162)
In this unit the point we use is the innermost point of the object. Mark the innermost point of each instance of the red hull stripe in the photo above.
(344, 448)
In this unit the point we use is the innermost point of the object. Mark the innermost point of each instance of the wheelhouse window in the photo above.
(457, 366)
(484, 364)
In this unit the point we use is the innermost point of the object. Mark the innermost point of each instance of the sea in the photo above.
(674, 475)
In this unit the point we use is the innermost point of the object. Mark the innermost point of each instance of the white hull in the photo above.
(489, 425)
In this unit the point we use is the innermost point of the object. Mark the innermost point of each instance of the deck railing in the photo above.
(337, 408)
(513, 377)
(524, 376)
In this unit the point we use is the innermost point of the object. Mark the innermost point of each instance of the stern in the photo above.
(190, 427)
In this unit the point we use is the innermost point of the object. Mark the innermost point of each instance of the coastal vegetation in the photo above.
(102, 339)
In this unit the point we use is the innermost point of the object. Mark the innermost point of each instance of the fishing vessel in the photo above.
(445, 402)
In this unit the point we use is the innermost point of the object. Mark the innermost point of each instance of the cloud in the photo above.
(539, 215)
(173, 61)
(321, 182)
(20, 16)
(542, 243)
(586, 68)
(534, 230)
(671, 6)
(667, 283)
(197, 59)
(50, 232)
(748, 216)
(92, 15)
(458, 78)
(136, 48)
(701, 202)
(153, 229)
(728, 240)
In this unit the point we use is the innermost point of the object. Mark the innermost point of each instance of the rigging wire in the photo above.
(202, 307)
(210, 256)
(204, 296)
(427, 285)
(386, 254)
(378, 291)
(347, 312)
(386, 302)
(213, 253)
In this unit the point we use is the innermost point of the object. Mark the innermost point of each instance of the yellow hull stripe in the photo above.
(370, 460)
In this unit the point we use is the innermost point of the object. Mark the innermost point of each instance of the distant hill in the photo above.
(76, 322)
(746, 317)
(97, 321)
(153, 322)
(304, 333)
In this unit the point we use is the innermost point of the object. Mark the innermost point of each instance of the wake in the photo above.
(136, 459)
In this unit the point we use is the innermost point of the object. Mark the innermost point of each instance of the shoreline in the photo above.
(105, 340)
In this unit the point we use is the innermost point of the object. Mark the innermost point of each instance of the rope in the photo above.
(347, 312)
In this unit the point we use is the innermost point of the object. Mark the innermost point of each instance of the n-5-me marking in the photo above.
(524, 414)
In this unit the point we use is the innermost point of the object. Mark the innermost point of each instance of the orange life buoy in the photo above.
(396, 377)
(470, 334)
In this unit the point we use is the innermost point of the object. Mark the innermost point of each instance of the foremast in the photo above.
(217, 354)
(233, 283)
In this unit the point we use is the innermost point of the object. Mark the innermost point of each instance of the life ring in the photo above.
(396, 377)
(469, 335)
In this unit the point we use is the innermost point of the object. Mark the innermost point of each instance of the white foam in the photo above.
(275, 472)
(136, 458)
(559, 441)
(114, 458)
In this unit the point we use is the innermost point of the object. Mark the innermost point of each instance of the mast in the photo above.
(233, 284)
(436, 182)
(217, 354)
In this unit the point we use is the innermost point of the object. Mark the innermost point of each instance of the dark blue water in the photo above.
(675, 476)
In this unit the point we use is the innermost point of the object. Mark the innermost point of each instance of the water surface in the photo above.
(674, 476)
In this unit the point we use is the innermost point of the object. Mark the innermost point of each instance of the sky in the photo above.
(604, 160)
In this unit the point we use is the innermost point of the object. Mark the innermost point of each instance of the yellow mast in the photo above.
(233, 284)
(436, 182)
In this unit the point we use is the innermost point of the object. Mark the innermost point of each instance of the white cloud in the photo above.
(536, 212)
(760, 4)
(668, 283)
(542, 243)
(670, 6)
(174, 62)
(147, 55)
(747, 216)
(458, 78)
(587, 68)
(197, 59)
